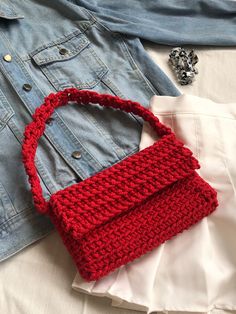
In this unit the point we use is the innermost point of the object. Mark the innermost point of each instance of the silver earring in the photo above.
(183, 63)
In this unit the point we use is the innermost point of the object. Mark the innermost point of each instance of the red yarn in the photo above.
(128, 209)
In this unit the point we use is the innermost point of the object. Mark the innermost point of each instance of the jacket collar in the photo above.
(7, 11)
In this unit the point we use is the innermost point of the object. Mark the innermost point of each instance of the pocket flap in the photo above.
(61, 49)
(84, 206)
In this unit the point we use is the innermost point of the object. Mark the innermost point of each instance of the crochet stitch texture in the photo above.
(126, 210)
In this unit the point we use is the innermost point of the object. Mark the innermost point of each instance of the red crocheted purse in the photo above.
(128, 209)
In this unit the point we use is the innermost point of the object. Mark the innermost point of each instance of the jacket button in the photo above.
(63, 51)
(7, 58)
(78, 180)
(76, 154)
(27, 87)
(49, 121)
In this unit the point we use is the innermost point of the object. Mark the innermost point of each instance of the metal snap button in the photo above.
(7, 58)
(63, 51)
(76, 154)
(50, 121)
(27, 87)
(77, 180)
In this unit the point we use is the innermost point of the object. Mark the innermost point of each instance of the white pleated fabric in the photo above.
(196, 270)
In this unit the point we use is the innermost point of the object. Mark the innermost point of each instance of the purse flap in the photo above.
(80, 208)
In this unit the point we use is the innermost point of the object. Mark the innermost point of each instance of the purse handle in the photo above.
(35, 129)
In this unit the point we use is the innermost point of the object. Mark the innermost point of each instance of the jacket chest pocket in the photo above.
(70, 61)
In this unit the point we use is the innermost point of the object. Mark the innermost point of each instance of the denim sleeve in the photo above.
(172, 22)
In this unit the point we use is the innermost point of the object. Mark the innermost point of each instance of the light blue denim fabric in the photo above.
(104, 54)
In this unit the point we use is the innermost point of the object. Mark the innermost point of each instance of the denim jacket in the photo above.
(48, 45)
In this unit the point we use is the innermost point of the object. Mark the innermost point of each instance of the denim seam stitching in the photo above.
(19, 137)
(6, 198)
(29, 211)
(136, 67)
